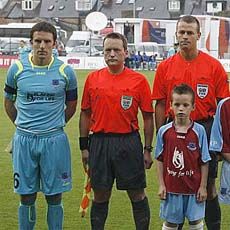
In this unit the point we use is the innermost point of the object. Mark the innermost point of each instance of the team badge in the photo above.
(202, 90)
(191, 146)
(126, 102)
(55, 82)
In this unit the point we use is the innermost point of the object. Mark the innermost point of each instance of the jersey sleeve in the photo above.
(10, 90)
(158, 91)
(85, 102)
(203, 143)
(219, 140)
(71, 91)
(146, 101)
(222, 85)
(159, 144)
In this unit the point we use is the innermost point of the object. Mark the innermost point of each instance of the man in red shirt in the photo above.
(208, 79)
(111, 99)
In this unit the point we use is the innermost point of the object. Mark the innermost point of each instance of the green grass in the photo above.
(120, 215)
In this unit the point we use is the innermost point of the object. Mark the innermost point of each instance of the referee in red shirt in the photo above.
(111, 99)
(208, 79)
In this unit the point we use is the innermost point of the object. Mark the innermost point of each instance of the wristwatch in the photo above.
(148, 148)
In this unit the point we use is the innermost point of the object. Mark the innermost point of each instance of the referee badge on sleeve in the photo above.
(126, 102)
(202, 90)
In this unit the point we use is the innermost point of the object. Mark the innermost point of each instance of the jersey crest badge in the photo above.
(126, 102)
(202, 90)
(191, 146)
(55, 82)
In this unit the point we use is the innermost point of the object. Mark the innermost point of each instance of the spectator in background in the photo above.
(127, 61)
(172, 50)
(152, 64)
(129, 32)
(145, 60)
(23, 49)
(132, 58)
(138, 60)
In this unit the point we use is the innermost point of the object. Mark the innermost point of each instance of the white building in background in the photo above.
(138, 30)
(215, 36)
(30, 4)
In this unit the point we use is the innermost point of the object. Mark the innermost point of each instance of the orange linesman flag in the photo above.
(86, 194)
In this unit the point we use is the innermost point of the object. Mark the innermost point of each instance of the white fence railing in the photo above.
(86, 62)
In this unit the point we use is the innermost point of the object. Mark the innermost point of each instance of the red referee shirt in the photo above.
(204, 74)
(115, 99)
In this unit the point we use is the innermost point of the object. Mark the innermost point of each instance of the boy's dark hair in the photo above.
(45, 27)
(115, 35)
(189, 19)
(184, 89)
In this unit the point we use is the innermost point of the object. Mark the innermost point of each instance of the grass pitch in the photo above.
(120, 215)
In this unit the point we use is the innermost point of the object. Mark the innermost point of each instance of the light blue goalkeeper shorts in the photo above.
(41, 162)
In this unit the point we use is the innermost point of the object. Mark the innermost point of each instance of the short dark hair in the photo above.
(115, 35)
(45, 27)
(184, 89)
(189, 19)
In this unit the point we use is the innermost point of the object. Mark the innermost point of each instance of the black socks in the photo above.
(98, 215)
(141, 214)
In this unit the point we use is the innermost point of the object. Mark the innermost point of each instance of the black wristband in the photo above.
(83, 143)
(148, 148)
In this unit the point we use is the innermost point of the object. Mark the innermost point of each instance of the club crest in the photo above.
(202, 90)
(55, 82)
(126, 102)
(191, 146)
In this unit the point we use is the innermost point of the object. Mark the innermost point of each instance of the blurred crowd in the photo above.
(138, 61)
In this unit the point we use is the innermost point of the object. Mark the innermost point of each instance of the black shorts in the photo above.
(116, 156)
(213, 164)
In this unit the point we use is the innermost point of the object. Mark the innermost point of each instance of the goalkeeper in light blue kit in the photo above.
(40, 97)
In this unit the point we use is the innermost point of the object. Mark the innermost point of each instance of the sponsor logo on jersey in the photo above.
(178, 159)
(40, 96)
(126, 102)
(202, 90)
(191, 146)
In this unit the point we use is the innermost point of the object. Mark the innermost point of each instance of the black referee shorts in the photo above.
(119, 157)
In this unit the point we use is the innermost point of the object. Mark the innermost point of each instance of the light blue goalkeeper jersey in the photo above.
(40, 93)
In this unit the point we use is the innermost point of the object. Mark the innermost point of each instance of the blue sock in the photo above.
(27, 217)
(55, 217)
